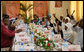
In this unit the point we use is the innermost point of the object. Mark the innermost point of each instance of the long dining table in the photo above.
(25, 38)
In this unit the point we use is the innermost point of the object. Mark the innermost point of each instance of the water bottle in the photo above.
(22, 47)
(39, 24)
(33, 22)
(53, 36)
(43, 26)
(25, 28)
(32, 38)
(28, 31)
(52, 33)
(66, 45)
(43, 30)
(25, 25)
(20, 22)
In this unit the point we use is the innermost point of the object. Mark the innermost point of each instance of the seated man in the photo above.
(6, 34)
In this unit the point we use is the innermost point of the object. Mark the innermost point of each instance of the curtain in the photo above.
(78, 7)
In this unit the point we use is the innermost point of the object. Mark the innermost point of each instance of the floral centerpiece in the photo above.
(44, 41)
(25, 9)
(40, 39)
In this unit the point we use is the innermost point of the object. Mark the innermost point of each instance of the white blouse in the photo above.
(67, 33)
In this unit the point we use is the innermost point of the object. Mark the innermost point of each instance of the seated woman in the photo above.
(19, 20)
(64, 25)
(11, 26)
(56, 27)
(78, 40)
(42, 23)
(67, 32)
(36, 20)
(6, 34)
(49, 20)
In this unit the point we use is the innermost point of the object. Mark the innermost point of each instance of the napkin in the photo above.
(74, 48)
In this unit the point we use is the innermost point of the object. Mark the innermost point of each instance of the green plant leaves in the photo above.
(42, 41)
(24, 8)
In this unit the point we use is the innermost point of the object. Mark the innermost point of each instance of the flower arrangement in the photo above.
(26, 9)
(40, 39)
(44, 42)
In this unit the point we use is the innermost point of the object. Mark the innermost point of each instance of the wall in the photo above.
(58, 11)
(40, 8)
(12, 8)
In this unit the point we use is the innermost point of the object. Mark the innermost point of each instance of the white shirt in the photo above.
(63, 25)
(55, 27)
(67, 33)
(79, 38)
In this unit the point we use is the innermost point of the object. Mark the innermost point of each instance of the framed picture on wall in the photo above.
(58, 4)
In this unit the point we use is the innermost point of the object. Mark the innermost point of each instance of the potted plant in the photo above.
(26, 9)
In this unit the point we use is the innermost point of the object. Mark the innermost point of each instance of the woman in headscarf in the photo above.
(67, 20)
(49, 20)
(36, 19)
(67, 29)
(67, 32)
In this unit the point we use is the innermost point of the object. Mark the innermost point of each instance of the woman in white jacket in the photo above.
(67, 29)
(78, 40)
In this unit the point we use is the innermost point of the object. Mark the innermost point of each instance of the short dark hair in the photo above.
(35, 15)
(40, 22)
(5, 16)
(43, 19)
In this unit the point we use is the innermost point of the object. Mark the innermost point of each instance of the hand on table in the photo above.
(19, 30)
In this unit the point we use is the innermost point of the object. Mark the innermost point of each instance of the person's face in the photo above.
(19, 16)
(61, 18)
(66, 21)
(42, 23)
(35, 17)
(6, 21)
(57, 22)
(80, 23)
(48, 17)
(45, 19)
(54, 14)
